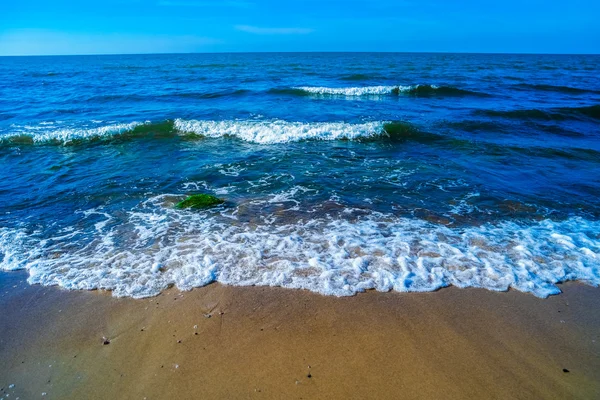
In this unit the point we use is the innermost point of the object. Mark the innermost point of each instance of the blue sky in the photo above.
(158, 26)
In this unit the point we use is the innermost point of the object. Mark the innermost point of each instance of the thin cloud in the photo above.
(231, 3)
(273, 31)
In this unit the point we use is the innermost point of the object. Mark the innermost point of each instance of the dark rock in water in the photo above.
(199, 201)
(566, 370)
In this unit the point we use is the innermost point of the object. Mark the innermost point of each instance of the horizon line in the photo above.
(301, 52)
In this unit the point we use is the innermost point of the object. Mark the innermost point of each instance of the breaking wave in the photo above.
(414, 90)
(157, 246)
(255, 131)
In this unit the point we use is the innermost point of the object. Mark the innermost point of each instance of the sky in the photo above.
(50, 27)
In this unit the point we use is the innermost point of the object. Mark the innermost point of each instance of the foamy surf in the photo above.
(278, 131)
(156, 246)
(254, 131)
(412, 90)
(48, 132)
(354, 91)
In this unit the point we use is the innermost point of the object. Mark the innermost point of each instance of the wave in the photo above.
(210, 65)
(414, 90)
(474, 126)
(127, 98)
(327, 255)
(433, 90)
(207, 95)
(255, 131)
(44, 134)
(555, 88)
(495, 126)
(552, 114)
(51, 74)
(327, 91)
(269, 132)
(278, 131)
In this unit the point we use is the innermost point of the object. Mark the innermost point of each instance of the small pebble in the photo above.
(566, 370)
(207, 315)
(309, 376)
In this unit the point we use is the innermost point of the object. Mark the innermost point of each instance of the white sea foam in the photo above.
(48, 132)
(278, 131)
(256, 131)
(155, 246)
(354, 91)
(361, 91)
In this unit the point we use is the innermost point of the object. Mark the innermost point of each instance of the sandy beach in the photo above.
(261, 342)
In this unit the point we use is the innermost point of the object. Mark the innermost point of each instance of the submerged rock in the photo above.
(199, 201)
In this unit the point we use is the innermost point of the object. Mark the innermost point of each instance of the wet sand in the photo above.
(257, 342)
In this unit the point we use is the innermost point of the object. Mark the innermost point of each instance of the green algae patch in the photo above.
(197, 201)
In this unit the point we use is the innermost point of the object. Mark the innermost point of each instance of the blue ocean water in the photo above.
(340, 172)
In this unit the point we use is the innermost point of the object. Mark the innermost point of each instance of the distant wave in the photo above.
(433, 90)
(207, 95)
(210, 65)
(555, 88)
(413, 90)
(495, 126)
(112, 98)
(349, 91)
(551, 114)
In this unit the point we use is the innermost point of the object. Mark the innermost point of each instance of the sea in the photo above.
(340, 172)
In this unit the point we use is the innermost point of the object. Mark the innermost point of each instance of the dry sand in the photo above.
(254, 342)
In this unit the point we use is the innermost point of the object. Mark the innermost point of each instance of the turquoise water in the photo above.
(340, 172)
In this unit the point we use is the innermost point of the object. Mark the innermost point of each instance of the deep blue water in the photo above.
(340, 172)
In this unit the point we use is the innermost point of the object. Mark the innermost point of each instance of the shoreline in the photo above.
(231, 342)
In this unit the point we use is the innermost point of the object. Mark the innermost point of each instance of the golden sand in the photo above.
(254, 342)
